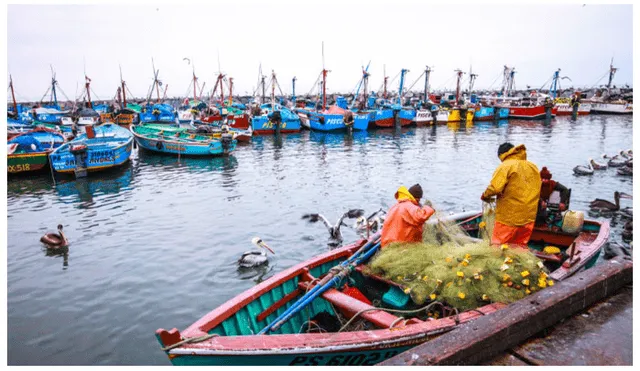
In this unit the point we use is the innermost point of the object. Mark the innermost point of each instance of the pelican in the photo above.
(334, 230)
(627, 233)
(625, 154)
(625, 170)
(596, 165)
(255, 258)
(55, 240)
(373, 223)
(583, 170)
(626, 212)
(615, 161)
(613, 249)
(604, 205)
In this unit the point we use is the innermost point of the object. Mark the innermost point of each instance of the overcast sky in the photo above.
(536, 39)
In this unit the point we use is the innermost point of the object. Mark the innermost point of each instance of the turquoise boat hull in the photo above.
(111, 147)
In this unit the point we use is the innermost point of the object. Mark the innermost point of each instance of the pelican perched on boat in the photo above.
(334, 230)
(255, 258)
(55, 240)
(625, 170)
(604, 205)
(583, 170)
(615, 161)
(597, 165)
(373, 223)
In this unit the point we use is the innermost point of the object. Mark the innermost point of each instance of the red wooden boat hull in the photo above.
(341, 348)
(531, 113)
(238, 121)
(384, 123)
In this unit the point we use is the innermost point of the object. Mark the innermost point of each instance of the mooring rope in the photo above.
(190, 341)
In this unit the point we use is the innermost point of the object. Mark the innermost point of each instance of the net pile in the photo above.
(449, 266)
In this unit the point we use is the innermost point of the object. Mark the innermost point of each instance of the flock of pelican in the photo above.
(623, 161)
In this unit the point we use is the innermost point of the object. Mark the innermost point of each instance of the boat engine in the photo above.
(79, 151)
(226, 139)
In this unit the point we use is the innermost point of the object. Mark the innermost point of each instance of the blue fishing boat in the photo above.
(158, 113)
(101, 147)
(263, 123)
(28, 151)
(177, 141)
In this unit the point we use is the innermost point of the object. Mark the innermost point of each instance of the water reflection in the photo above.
(108, 182)
(190, 164)
(62, 252)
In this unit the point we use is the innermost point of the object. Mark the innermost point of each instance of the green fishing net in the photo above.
(464, 272)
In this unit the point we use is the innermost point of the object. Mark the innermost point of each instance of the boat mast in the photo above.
(53, 86)
(155, 80)
(459, 74)
(324, 82)
(124, 94)
(384, 72)
(554, 84)
(87, 83)
(612, 72)
(195, 83)
(221, 78)
(427, 72)
(364, 92)
(273, 90)
(472, 79)
(230, 90)
(263, 87)
(293, 81)
(402, 73)
(13, 96)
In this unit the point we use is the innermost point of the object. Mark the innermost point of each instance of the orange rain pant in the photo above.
(503, 233)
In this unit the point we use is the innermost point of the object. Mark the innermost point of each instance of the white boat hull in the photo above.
(619, 108)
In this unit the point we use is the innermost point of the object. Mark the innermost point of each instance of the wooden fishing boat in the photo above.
(267, 325)
(29, 151)
(100, 147)
(174, 140)
(262, 123)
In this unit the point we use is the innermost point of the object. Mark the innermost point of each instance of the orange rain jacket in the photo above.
(517, 184)
(405, 219)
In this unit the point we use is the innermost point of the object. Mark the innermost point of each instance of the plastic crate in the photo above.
(395, 297)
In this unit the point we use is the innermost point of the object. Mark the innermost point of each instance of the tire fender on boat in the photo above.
(159, 146)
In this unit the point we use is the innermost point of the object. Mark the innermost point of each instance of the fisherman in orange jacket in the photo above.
(406, 218)
(516, 184)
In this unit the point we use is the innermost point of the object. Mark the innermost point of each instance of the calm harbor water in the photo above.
(154, 244)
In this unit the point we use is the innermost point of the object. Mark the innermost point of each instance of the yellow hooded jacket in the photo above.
(516, 183)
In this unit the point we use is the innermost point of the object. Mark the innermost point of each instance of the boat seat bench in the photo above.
(349, 306)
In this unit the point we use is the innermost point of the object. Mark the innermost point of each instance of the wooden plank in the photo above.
(285, 299)
(490, 335)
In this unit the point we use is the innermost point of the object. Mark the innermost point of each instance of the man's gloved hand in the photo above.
(485, 199)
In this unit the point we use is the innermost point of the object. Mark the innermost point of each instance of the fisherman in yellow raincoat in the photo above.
(516, 185)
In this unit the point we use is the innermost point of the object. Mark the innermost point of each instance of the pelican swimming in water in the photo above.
(615, 161)
(583, 170)
(604, 205)
(627, 232)
(373, 223)
(255, 258)
(55, 240)
(625, 170)
(334, 230)
(596, 165)
(625, 154)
